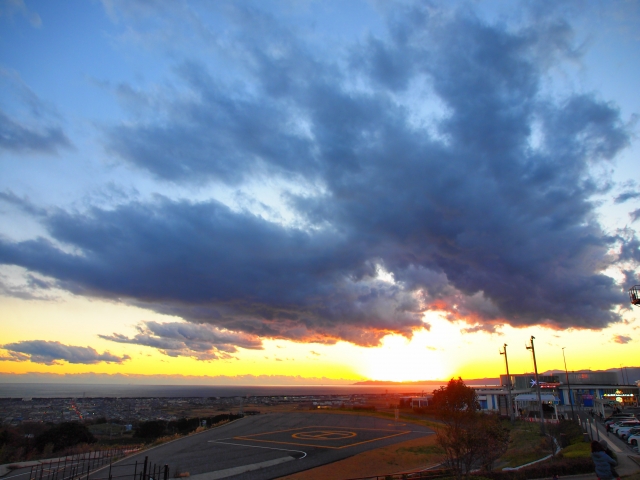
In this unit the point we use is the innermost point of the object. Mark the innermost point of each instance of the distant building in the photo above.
(414, 401)
(585, 389)
(421, 402)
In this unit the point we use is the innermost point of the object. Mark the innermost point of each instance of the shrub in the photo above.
(571, 430)
(577, 450)
(151, 429)
(64, 435)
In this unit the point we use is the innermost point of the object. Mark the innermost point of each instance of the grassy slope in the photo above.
(525, 446)
(577, 450)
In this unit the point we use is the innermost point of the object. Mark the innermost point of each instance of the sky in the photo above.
(317, 191)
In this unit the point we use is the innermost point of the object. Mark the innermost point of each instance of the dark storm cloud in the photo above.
(201, 342)
(51, 353)
(204, 262)
(27, 123)
(623, 197)
(483, 211)
(23, 203)
(18, 138)
(216, 136)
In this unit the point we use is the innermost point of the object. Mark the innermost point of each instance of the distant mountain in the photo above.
(631, 376)
(626, 375)
(475, 381)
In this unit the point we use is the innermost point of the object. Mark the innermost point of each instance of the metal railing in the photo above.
(141, 471)
(77, 465)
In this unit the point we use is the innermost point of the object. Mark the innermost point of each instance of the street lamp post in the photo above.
(535, 368)
(573, 417)
(510, 406)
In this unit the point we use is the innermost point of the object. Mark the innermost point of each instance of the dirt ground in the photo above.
(401, 457)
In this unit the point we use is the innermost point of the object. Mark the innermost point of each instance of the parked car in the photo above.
(619, 416)
(625, 427)
(633, 439)
(611, 421)
(616, 416)
(625, 432)
(611, 425)
(616, 426)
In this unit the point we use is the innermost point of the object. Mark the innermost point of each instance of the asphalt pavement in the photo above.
(269, 446)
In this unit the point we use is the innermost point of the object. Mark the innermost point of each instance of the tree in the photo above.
(151, 430)
(494, 439)
(470, 439)
(455, 401)
(64, 435)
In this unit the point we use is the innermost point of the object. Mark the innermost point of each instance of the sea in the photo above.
(61, 390)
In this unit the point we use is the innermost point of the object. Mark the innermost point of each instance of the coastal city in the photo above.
(584, 390)
(14, 411)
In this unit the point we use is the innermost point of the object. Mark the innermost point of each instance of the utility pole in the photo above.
(510, 405)
(535, 368)
(573, 417)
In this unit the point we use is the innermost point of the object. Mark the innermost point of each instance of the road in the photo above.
(270, 446)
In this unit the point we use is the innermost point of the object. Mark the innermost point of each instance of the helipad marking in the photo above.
(324, 435)
(253, 438)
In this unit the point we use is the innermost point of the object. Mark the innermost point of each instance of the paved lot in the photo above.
(275, 444)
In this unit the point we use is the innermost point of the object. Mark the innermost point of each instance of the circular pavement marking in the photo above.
(324, 435)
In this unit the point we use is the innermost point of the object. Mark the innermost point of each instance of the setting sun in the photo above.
(400, 360)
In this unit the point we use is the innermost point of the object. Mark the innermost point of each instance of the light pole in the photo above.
(510, 405)
(573, 417)
(535, 368)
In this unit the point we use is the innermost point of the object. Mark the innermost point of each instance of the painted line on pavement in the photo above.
(256, 446)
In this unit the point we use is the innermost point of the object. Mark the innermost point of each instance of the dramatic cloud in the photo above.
(52, 353)
(201, 342)
(623, 197)
(622, 339)
(18, 138)
(237, 271)
(32, 125)
(32, 289)
(440, 177)
(164, 380)
(483, 328)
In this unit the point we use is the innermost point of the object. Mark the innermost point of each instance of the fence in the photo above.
(141, 471)
(537, 420)
(77, 465)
